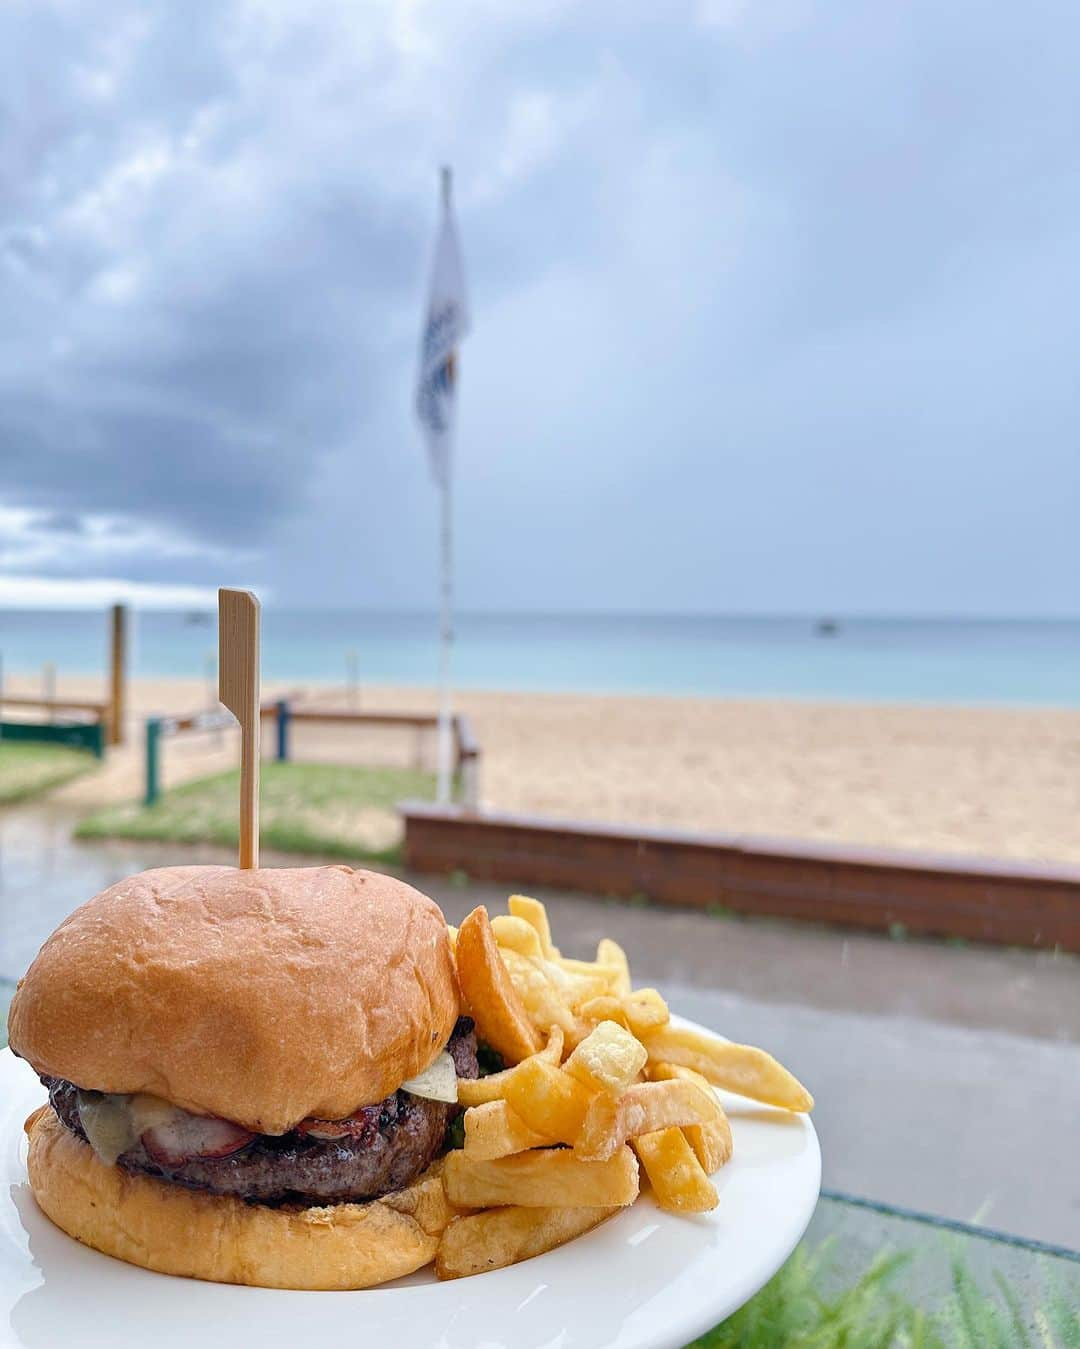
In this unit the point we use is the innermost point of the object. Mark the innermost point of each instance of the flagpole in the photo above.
(446, 587)
(446, 639)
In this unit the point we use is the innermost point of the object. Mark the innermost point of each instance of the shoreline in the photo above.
(993, 781)
(75, 683)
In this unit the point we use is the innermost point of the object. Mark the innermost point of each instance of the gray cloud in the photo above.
(60, 522)
(769, 300)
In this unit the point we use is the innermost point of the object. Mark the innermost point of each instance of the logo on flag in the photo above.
(446, 324)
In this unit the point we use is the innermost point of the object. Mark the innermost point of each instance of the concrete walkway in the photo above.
(946, 1079)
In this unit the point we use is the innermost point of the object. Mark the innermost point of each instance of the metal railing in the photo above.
(285, 713)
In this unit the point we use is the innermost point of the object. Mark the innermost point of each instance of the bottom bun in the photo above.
(172, 1230)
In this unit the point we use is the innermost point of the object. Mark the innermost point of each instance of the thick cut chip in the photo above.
(645, 1108)
(576, 986)
(534, 913)
(741, 1069)
(606, 1007)
(641, 1012)
(711, 1142)
(541, 997)
(605, 976)
(608, 1059)
(611, 953)
(505, 1236)
(548, 1099)
(501, 1020)
(493, 1087)
(493, 1130)
(675, 1174)
(645, 1010)
(542, 1178)
(515, 934)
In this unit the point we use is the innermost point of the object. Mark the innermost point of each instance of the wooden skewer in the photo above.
(238, 689)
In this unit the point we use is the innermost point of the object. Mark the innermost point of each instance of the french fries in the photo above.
(606, 1007)
(493, 1130)
(515, 934)
(533, 913)
(541, 998)
(741, 1069)
(640, 1012)
(609, 1059)
(611, 954)
(493, 1087)
(643, 1109)
(675, 1174)
(500, 1018)
(711, 1142)
(548, 1100)
(645, 1011)
(542, 1178)
(579, 984)
(598, 1079)
(504, 1236)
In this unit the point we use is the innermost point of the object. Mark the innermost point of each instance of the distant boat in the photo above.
(827, 627)
(197, 618)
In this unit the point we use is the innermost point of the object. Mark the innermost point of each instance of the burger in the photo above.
(251, 1074)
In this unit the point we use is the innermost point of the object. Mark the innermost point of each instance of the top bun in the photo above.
(259, 996)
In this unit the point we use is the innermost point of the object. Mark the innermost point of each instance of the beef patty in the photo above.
(390, 1144)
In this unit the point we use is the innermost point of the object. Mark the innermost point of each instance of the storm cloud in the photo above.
(772, 303)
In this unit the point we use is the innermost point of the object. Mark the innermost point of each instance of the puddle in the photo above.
(45, 873)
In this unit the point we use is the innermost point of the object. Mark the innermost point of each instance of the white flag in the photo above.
(447, 323)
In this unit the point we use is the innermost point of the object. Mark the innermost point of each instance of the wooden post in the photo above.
(48, 689)
(352, 668)
(118, 673)
(238, 689)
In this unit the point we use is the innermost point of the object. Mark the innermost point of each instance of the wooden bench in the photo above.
(1015, 903)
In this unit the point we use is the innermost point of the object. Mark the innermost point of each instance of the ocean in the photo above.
(871, 659)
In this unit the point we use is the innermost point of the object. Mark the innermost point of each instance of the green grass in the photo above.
(27, 769)
(335, 810)
(792, 1310)
(795, 1310)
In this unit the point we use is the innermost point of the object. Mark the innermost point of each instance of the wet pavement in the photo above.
(947, 1079)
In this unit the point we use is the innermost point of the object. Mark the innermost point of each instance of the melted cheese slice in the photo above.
(114, 1123)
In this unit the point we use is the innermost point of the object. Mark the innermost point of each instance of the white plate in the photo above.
(643, 1280)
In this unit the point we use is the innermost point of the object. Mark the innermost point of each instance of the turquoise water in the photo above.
(927, 661)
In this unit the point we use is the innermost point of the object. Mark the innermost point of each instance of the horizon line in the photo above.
(837, 616)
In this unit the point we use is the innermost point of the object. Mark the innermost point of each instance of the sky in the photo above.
(774, 304)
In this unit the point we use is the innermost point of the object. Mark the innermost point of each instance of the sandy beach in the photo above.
(992, 781)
